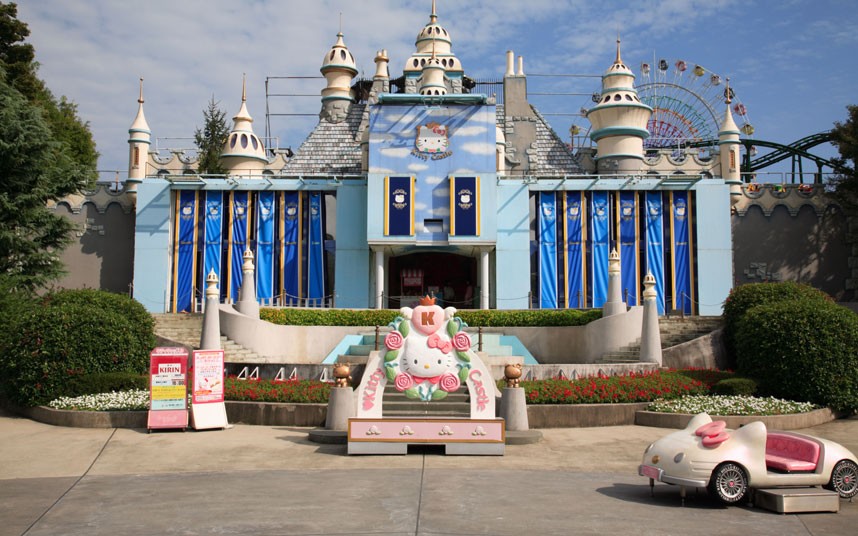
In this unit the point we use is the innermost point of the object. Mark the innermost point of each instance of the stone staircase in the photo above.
(396, 404)
(674, 330)
(186, 330)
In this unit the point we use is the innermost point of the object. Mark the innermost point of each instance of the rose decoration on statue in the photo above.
(403, 381)
(449, 382)
(393, 340)
(461, 341)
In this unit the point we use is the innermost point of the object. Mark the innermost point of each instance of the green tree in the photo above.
(46, 153)
(844, 136)
(211, 138)
(35, 168)
(18, 60)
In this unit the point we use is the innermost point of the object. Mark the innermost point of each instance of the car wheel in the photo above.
(844, 479)
(729, 483)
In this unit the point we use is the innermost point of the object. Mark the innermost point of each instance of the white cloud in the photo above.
(469, 131)
(396, 152)
(417, 167)
(420, 206)
(463, 171)
(478, 148)
(441, 192)
(385, 171)
(441, 212)
(433, 180)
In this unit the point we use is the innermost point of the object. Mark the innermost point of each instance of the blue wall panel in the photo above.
(152, 253)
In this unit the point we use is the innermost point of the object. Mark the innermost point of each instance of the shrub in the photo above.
(295, 391)
(804, 350)
(105, 382)
(57, 339)
(643, 387)
(473, 318)
(745, 297)
(735, 386)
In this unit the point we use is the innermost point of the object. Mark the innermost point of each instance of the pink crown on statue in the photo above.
(427, 300)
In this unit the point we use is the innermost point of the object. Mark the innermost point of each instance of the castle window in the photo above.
(617, 97)
(416, 63)
(232, 141)
(607, 98)
(628, 98)
(136, 157)
(244, 141)
(343, 54)
(254, 142)
(332, 55)
(451, 62)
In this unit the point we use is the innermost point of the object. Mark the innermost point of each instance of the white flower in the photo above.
(137, 399)
(730, 405)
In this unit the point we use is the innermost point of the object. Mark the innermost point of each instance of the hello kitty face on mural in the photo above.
(432, 138)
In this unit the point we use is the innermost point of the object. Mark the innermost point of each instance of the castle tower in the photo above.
(243, 153)
(433, 42)
(619, 121)
(338, 68)
(433, 77)
(728, 141)
(139, 139)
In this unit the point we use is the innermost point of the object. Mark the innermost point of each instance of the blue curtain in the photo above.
(213, 234)
(185, 252)
(547, 250)
(655, 244)
(576, 217)
(291, 222)
(239, 220)
(265, 245)
(628, 218)
(600, 240)
(316, 249)
(680, 222)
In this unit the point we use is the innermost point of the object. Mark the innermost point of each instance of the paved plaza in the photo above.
(264, 480)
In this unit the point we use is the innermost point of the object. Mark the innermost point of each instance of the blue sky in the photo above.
(791, 63)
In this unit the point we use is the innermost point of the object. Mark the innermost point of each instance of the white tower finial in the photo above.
(139, 139)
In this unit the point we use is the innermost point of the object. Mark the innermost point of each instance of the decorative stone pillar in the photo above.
(210, 337)
(513, 407)
(379, 279)
(614, 304)
(341, 403)
(247, 304)
(650, 334)
(484, 279)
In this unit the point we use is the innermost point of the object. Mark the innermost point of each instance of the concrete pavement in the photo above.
(271, 480)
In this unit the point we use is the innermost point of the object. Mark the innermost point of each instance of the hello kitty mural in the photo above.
(427, 356)
(432, 141)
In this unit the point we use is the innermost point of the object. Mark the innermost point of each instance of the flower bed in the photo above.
(133, 400)
(731, 405)
(634, 387)
(294, 391)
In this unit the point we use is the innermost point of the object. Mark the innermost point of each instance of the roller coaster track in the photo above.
(797, 149)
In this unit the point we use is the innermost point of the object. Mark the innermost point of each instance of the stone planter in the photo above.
(793, 421)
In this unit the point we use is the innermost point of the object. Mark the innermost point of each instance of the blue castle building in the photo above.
(425, 187)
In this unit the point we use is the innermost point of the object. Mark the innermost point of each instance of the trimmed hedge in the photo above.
(745, 297)
(68, 334)
(473, 318)
(805, 350)
(735, 386)
(105, 382)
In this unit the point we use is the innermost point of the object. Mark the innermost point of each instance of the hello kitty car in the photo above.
(731, 462)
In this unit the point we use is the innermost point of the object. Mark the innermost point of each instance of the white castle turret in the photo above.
(338, 68)
(728, 141)
(243, 153)
(433, 43)
(619, 121)
(139, 139)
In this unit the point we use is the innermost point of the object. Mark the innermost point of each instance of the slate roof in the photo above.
(334, 148)
(330, 149)
(553, 155)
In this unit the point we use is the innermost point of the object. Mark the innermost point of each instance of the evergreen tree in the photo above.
(35, 168)
(211, 138)
(46, 153)
(845, 137)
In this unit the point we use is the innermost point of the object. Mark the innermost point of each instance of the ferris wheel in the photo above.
(688, 103)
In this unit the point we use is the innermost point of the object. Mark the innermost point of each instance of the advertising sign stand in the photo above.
(168, 388)
(207, 390)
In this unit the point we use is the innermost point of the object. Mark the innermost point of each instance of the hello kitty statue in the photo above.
(427, 356)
